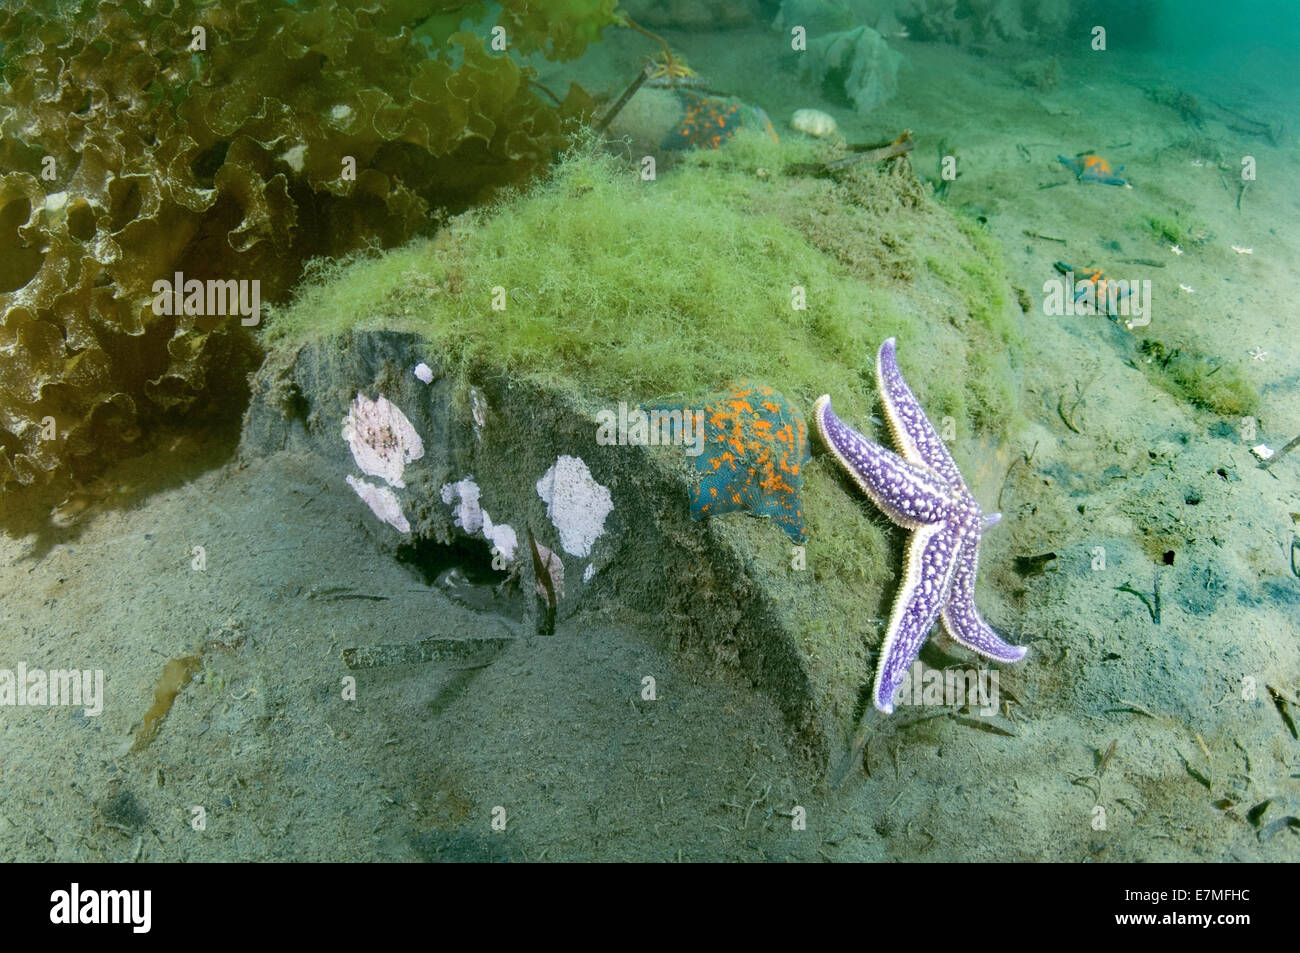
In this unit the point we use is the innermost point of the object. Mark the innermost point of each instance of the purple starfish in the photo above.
(923, 491)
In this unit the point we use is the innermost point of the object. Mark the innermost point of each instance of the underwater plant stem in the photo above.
(1065, 418)
(628, 93)
(474, 651)
(900, 146)
(1153, 608)
(1295, 442)
(668, 54)
(558, 101)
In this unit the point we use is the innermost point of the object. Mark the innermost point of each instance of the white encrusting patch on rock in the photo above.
(382, 501)
(589, 572)
(575, 503)
(341, 113)
(424, 372)
(383, 441)
(464, 495)
(472, 518)
(502, 537)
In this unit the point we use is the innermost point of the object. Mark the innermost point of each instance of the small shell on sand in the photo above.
(813, 122)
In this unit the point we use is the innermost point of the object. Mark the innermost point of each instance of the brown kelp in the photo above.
(227, 142)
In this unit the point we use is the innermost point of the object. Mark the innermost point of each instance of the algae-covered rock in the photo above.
(597, 294)
(718, 591)
(672, 120)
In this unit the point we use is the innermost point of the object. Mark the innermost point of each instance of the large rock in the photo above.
(722, 590)
(600, 288)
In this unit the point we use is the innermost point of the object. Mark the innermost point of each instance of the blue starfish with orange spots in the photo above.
(755, 446)
(709, 121)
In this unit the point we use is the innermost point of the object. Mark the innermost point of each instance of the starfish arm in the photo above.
(912, 430)
(926, 577)
(961, 617)
(909, 494)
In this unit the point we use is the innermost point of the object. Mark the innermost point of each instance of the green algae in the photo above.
(1191, 376)
(986, 291)
(1172, 229)
(1164, 229)
(637, 290)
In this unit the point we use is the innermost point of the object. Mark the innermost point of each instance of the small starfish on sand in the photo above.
(1176, 249)
(1242, 251)
(922, 491)
(668, 70)
(1188, 288)
(1258, 353)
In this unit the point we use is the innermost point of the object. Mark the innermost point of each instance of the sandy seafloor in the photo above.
(554, 731)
